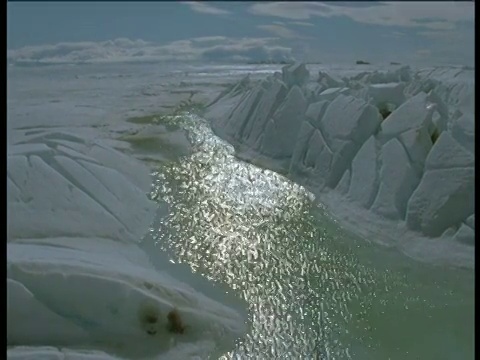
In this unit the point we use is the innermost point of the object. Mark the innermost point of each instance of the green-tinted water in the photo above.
(314, 291)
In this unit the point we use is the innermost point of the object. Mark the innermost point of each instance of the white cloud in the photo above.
(280, 31)
(301, 23)
(432, 15)
(205, 39)
(288, 10)
(253, 49)
(204, 8)
(213, 48)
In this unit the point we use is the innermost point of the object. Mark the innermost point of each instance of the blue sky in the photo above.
(380, 32)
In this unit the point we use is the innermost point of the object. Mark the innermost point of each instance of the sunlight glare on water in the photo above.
(313, 290)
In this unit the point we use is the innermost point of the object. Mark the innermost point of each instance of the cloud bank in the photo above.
(211, 49)
(205, 8)
(279, 30)
(445, 29)
(439, 15)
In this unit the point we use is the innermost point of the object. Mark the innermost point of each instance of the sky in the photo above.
(327, 32)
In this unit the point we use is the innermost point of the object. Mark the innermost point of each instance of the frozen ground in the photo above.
(78, 209)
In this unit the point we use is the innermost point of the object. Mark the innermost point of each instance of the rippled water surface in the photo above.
(313, 290)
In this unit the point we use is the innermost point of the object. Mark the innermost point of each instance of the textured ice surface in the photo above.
(415, 167)
(284, 125)
(397, 181)
(471, 221)
(53, 353)
(60, 189)
(392, 93)
(364, 179)
(76, 279)
(463, 130)
(465, 234)
(332, 93)
(296, 74)
(444, 197)
(412, 114)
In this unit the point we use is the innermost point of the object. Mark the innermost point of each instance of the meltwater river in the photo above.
(314, 291)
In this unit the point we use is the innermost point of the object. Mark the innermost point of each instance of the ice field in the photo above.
(303, 212)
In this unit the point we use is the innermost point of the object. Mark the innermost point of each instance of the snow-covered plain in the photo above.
(79, 285)
(390, 152)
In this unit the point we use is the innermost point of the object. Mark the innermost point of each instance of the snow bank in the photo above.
(78, 285)
(413, 165)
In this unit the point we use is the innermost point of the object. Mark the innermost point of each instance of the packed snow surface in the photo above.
(391, 153)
